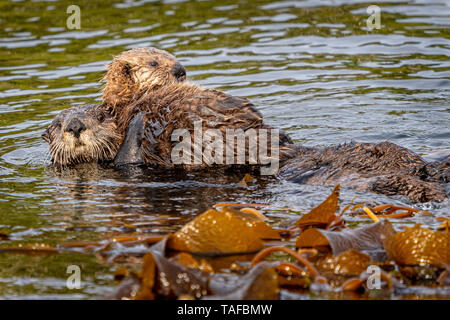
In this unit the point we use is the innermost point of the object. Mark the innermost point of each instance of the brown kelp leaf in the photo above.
(222, 232)
(324, 213)
(446, 223)
(148, 277)
(312, 238)
(187, 260)
(260, 283)
(351, 262)
(364, 238)
(419, 246)
(4, 236)
(31, 249)
(174, 281)
(247, 178)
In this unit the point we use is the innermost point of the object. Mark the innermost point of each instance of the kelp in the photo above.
(165, 278)
(351, 262)
(34, 249)
(222, 232)
(187, 260)
(369, 237)
(330, 257)
(419, 246)
(232, 252)
(324, 214)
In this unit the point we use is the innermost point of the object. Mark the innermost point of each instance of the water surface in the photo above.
(311, 67)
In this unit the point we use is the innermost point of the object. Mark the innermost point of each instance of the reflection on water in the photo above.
(311, 67)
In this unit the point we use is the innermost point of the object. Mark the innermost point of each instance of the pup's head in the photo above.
(139, 70)
(83, 134)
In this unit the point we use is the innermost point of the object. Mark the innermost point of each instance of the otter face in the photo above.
(140, 70)
(82, 134)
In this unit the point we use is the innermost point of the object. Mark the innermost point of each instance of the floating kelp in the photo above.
(35, 249)
(187, 260)
(222, 232)
(351, 262)
(369, 237)
(323, 215)
(165, 278)
(419, 246)
(388, 211)
(232, 252)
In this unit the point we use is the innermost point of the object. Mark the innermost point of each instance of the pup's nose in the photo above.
(76, 127)
(179, 72)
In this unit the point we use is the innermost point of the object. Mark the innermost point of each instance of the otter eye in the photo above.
(153, 63)
(101, 117)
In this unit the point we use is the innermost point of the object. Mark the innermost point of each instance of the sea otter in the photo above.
(144, 97)
(379, 167)
(383, 167)
(136, 72)
(83, 134)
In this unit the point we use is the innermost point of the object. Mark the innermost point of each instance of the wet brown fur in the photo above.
(131, 74)
(99, 142)
(178, 106)
(132, 87)
(384, 168)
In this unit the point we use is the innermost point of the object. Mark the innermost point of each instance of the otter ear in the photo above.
(46, 136)
(126, 69)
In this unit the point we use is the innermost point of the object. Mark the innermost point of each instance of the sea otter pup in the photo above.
(136, 72)
(83, 134)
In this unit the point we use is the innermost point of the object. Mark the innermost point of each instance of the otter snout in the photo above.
(76, 127)
(179, 72)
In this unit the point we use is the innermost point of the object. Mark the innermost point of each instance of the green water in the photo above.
(311, 67)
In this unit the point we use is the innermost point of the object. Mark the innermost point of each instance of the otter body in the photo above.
(145, 101)
(155, 118)
(384, 168)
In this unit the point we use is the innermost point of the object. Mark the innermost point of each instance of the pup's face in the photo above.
(140, 70)
(82, 134)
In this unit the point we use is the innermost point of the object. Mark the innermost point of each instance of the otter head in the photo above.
(82, 134)
(139, 70)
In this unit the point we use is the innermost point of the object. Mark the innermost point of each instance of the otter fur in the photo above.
(180, 106)
(384, 168)
(136, 72)
(83, 134)
(146, 101)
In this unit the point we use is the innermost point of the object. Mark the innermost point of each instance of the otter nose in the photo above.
(76, 127)
(179, 72)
